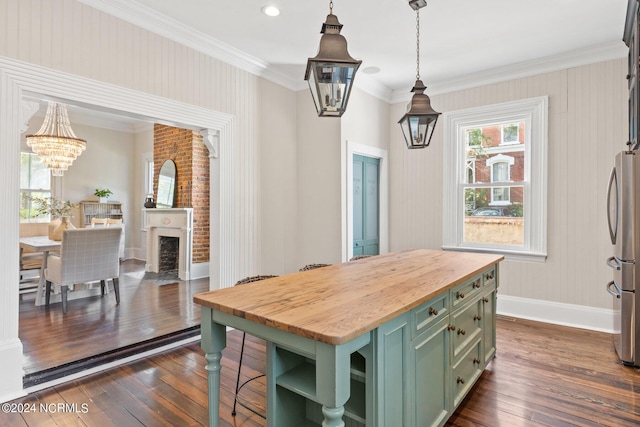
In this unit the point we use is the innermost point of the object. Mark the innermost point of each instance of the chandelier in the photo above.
(55, 143)
(420, 120)
(330, 73)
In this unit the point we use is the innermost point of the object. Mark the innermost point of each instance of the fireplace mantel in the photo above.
(173, 222)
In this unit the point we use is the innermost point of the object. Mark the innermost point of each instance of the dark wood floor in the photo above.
(148, 309)
(543, 375)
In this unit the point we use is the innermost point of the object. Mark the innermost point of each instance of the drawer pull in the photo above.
(476, 284)
(433, 311)
(459, 295)
(451, 327)
(476, 361)
(489, 276)
(485, 299)
(461, 332)
(476, 317)
(460, 380)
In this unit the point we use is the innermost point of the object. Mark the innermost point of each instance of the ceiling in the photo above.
(462, 42)
(458, 38)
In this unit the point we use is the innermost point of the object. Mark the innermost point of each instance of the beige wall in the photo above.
(587, 126)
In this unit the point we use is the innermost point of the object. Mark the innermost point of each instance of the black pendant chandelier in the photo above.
(330, 73)
(420, 120)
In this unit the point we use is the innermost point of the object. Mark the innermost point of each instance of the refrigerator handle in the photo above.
(615, 293)
(612, 232)
(613, 263)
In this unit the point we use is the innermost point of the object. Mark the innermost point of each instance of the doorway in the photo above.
(350, 150)
(366, 205)
(25, 79)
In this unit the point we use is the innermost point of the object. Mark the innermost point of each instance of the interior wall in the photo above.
(319, 238)
(277, 167)
(587, 127)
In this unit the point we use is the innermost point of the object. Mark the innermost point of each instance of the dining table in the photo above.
(45, 245)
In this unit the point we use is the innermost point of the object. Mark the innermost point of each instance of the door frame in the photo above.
(349, 149)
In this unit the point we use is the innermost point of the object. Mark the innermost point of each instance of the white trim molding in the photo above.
(533, 111)
(572, 315)
(19, 79)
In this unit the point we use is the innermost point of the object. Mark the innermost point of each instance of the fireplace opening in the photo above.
(169, 254)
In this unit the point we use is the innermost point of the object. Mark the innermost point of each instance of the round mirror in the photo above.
(167, 185)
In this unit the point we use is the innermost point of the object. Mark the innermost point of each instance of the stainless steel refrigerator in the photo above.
(623, 213)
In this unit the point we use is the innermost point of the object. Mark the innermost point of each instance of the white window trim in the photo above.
(535, 112)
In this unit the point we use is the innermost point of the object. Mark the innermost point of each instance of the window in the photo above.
(511, 133)
(35, 181)
(495, 179)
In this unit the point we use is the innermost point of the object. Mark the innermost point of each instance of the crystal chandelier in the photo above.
(420, 120)
(55, 143)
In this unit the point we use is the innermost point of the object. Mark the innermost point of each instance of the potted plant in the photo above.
(59, 212)
(103, 194)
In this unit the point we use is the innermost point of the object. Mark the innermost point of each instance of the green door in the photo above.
(366, 205)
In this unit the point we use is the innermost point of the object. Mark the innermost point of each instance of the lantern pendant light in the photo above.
(420, 120)
(331, 72)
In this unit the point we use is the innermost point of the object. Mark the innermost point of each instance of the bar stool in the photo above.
(313, 266)
(244, 334)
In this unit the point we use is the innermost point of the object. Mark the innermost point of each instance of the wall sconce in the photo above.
(331, 72)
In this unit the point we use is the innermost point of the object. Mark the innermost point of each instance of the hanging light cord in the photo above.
(331, 7)
(417, 44)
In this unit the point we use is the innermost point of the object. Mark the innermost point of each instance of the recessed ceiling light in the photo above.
(371, 70)
(271, 11)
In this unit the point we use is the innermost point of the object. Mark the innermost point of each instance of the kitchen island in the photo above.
(395, 339)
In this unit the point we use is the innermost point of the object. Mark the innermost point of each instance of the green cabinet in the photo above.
(415, 370)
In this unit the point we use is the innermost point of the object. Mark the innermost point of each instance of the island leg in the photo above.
(214, 339)
(333, 384)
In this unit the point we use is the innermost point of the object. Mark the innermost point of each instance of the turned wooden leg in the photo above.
(64, 298)
(47, 293)
(116, 289)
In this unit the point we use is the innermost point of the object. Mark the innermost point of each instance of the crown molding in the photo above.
(151, 20)
(576, 58)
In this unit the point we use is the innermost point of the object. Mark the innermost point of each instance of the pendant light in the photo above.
(420, 120)
(330, 73)
(55, 143)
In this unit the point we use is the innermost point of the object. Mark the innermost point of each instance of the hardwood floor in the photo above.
(543, 375)
(95, 325)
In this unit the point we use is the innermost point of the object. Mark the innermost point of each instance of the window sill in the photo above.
(508, 255)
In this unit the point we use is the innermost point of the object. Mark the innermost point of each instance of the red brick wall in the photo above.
(186, 148)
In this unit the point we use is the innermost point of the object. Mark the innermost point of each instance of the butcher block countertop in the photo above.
(338, 303)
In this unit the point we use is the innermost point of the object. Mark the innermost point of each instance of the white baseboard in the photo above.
(11, 384)
(576, 316)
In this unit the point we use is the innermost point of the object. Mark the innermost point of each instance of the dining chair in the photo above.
(239, 386)
(87, 255)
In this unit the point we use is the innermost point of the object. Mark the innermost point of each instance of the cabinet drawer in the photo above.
(465, 292)
(466, 371)
(468, 326)
(429, 314)
(489, 276)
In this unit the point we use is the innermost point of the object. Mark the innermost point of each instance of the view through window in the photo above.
(494, 190)
(35, 182)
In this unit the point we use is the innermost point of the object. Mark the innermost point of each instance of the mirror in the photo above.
(167, 185)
